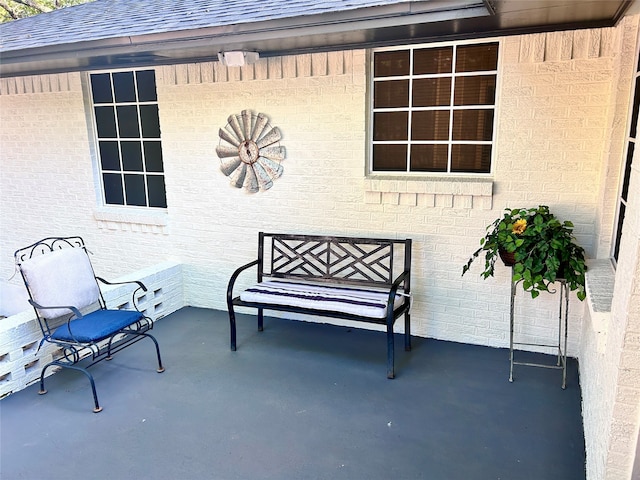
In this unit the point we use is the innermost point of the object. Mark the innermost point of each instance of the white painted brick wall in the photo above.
(609, 359)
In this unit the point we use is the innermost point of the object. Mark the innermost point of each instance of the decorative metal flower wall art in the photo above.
(250, 152)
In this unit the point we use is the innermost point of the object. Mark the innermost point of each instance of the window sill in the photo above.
(134, 220)
(461, 192)
(600, 278)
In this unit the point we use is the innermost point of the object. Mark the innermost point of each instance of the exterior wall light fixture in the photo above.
(238, 58)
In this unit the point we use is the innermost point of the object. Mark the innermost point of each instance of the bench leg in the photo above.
(390, 352)
(232, 326)
(260, 320)
(407, 332)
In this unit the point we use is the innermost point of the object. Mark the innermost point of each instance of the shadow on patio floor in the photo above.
(297, 401)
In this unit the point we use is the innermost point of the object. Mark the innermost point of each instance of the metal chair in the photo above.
(71, 310)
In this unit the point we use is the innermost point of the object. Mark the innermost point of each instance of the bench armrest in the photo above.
(234, 277)
(394, 289)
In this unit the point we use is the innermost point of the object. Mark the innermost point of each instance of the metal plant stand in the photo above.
(563, 315)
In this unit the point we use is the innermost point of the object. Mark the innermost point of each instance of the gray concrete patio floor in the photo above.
(297, 401)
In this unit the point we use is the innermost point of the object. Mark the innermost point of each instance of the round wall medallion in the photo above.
(250, 152)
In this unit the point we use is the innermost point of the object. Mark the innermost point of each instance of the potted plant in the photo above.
(540, 248)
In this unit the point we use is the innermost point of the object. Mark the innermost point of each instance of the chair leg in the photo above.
(260, 320)
(43, 390)
(160, 367)
(97, 408)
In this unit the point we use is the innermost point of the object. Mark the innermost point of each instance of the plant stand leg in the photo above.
(511, 312)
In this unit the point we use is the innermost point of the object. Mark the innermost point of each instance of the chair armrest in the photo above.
(234, 277)
(73, 309)
(137, 282)
(76, 315)
(140, 285)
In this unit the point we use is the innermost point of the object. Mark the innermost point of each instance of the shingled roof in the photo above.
(104, 19)
(125, 33)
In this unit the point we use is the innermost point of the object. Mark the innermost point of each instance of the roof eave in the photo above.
(333, 30)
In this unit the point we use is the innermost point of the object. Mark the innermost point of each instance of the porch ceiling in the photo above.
(96, 36)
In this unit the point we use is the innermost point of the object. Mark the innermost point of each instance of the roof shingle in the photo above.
(105, 19)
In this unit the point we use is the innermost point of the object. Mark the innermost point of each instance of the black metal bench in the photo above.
(338, 277)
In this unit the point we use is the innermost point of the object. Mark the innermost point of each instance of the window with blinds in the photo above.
(433, 108)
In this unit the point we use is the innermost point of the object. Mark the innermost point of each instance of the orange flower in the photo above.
(519, 226)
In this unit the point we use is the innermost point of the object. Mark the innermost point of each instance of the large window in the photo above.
(128, 129)
(626, 173)
(433, 108)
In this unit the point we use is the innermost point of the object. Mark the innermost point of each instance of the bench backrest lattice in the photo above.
(332, 259)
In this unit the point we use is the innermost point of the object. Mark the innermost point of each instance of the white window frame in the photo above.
(370, 172)
(118, 139)
(618, 225)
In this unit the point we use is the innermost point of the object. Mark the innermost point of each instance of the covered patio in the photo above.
(299, 400)
(305, 400)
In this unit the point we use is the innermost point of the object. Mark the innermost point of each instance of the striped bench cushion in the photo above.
(364, 301)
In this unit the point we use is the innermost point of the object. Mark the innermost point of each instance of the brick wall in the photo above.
(609, 354)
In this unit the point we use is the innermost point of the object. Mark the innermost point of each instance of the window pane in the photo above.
(105, 122)
(388, 64)
(390, 158)
(153, 156)
(471, 158)
(128, 121)
(101, 88)
(390, 125)
(627, 171)
(113, 188)
(432, 60)
(392, 93)
(480, 90)
(150, 121)
(157, 195)
(636, 107)
(429, 158)
(431, 92)
(473, 125)
(146, 86)
(124, 87)
(109, 156)
(477, 58)
(618, 239)
(131, 156)
(430, 125)
(134, 186)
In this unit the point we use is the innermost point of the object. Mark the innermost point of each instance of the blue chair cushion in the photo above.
(96, 326)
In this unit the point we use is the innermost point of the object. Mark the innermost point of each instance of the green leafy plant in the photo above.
(542, 248)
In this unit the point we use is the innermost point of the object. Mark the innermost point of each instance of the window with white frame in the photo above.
(125, 107)
(632, 139)
(433, 108)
